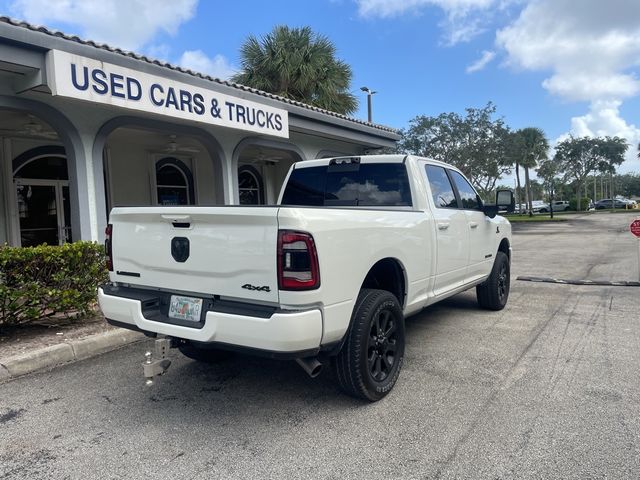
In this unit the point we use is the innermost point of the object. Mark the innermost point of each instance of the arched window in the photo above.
(48, 162)
(174, 182)
(250, 186)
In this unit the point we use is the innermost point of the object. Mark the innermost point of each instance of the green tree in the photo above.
(475, 143)
(548, 173)
(533, 147)
(299, 64)
(628, 184)
(577, 158)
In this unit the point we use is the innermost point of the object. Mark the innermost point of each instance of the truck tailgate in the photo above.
(231, 250)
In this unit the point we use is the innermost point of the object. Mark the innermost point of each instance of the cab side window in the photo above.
(441, 189)
(468, 196)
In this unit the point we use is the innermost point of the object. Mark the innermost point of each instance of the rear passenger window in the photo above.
(306, 187)
(441, 188)
(469, 197)
(369, 185)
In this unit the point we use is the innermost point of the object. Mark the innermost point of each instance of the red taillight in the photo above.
(297, 261)
(108, 249)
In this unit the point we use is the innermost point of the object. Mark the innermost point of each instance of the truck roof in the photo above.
(387, 158)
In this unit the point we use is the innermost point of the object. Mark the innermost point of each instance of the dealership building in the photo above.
(85, 127)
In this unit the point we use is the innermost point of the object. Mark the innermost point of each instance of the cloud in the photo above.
(391, 8)
(197, 60)
(482, 62)
(464, 19)
(603, 119)
(591, 50)
(129, 24)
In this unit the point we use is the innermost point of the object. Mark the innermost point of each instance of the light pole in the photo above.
(370, 93)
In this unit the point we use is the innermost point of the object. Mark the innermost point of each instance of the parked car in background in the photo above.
(606, 203)
(558, 206)
(539, 206)
(629, 203)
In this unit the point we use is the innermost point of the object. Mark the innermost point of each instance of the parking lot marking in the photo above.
(615, 283)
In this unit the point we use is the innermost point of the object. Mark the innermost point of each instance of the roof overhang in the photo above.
(24, 48)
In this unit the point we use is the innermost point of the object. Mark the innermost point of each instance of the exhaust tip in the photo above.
(311, 366)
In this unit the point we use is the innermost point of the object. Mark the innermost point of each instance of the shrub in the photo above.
(43, 281)
(584, 203)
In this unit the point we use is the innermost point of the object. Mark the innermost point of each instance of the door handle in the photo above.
(473, 224)
(443, 226)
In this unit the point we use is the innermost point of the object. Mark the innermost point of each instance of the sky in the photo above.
(569, 67)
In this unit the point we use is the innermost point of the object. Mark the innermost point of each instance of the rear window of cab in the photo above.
(367, 184)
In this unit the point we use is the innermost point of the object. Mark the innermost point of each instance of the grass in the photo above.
(559, 216)
(536, 218)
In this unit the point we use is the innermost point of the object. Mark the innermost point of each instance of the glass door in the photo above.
(43, 212)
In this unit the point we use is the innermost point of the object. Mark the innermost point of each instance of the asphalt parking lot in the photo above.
(547, 388)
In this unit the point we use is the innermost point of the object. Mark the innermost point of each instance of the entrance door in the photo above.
(43, 211)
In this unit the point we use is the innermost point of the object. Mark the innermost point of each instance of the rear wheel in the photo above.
(494, 292)
(205, 355)
(370, 360)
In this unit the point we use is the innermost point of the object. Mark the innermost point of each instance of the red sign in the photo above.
(635, 228)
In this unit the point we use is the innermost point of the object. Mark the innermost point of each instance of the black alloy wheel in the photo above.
(382, 345)
(494, 292)
(503, 282)
(369, 362)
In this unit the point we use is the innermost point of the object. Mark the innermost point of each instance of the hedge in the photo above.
(44, 281)
(584, 203)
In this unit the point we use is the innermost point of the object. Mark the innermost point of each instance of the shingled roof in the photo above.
(170, 66)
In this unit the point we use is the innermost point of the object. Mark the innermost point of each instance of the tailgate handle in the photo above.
(178, 221)
(181, 224)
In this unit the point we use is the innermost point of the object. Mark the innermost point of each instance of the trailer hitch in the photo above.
(156, 365)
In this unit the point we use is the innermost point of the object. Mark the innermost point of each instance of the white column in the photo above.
(87, 195)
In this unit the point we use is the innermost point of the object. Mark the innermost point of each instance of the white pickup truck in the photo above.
(354, 246)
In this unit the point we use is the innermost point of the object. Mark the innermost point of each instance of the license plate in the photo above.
(185, 308)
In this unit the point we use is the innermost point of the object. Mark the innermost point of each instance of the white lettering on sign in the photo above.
(88, 79)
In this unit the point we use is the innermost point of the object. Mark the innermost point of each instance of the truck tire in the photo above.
(494, 292)
(205, 355)
(370, 360)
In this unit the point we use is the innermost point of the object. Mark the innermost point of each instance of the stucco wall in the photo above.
(131, 171)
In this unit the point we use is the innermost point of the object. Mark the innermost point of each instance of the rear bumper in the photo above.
(281, 332)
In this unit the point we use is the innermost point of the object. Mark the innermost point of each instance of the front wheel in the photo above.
(370, 360)
(494, 292)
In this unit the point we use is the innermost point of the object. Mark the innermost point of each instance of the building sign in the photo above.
(88, 79)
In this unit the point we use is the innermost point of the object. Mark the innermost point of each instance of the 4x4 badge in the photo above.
(248, 286)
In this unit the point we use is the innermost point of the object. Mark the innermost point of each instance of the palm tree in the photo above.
(299, 64)
(535, 148)
(515, 149)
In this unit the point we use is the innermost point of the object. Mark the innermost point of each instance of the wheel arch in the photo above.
(388, 274)
(505, 247)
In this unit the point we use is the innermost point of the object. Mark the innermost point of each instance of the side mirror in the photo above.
(505, 200)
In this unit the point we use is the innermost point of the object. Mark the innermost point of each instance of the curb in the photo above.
(55, 355)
